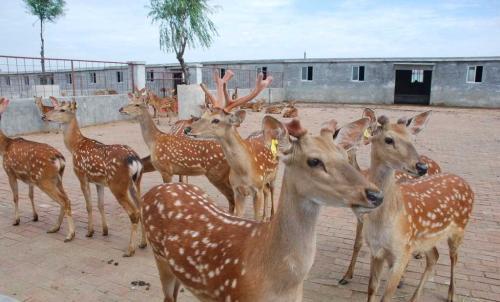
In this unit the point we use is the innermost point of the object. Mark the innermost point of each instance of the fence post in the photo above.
(137, 74)
(73, 79)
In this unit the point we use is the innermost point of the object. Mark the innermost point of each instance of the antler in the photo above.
(260, 84)
(220, 84)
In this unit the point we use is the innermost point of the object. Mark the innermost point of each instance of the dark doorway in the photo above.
(177, 80)
(413, 87)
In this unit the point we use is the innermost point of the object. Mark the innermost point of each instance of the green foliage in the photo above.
(45, 10)
(183, 23)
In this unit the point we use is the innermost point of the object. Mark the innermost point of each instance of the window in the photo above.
(93, 77)
(119, 76)
(7, 81)
(475, 74)
(222, 72)
(417, 76)
(358, 73)
(150, 76)
(69, 78)
(26, 80)
(262, 69)
(307, 73)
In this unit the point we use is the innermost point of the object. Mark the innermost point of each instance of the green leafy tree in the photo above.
(183, 24)
(45, 11)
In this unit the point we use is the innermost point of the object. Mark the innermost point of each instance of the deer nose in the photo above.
(421, 168)
(375, 197)
(44, 117)
(121, 109)
(187, 130)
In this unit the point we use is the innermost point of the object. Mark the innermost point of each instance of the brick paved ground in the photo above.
(35, 266)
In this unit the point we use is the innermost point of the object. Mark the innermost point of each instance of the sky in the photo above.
(119, 30)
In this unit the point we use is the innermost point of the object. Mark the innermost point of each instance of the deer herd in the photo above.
(403, 203)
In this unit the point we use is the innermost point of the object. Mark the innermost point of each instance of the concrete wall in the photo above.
(22, 116)
(450, 88)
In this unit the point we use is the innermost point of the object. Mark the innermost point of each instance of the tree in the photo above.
(45, 10)
(183, 23)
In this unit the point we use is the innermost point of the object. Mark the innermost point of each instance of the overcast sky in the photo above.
(264, 29)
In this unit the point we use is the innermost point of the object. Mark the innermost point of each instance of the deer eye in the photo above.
(389, 141)
(62, 110)
(314, 162)
(136, 105)
(215, 121)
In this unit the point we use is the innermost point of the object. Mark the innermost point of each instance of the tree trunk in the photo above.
(185, 71)
(42, 53)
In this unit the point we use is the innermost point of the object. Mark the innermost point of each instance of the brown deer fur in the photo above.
(36, 164)
(220, 257)
(115, 166)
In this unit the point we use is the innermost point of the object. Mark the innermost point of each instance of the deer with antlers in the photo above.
(220, 257)
(39, 165)
(253, 166)
(117, 167)
(416, 124)
(416, 214)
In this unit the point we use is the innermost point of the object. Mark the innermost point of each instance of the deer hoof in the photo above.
(90, 233)
(17, 221)
(105, 232)
(129, 254)
(343, 281)
(35, 217)
(143, 245)
(400, 284)
(70, 237)
(53, 230)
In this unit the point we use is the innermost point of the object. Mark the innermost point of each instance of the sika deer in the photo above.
(115, 166)
(291, 111)
(415, 215)
(38, 165)
(417, 123)
(220, 257)
(253, 166)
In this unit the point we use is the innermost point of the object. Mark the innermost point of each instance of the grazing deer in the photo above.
(253, 166)
(220, 257)
(415, 215)
(291, 111)
(115, 166)
(275, 109)
(417, 124)
(35, 164)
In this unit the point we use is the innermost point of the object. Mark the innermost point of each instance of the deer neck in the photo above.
(235, 151)
(148, 128)
(4, 142)
(72, 134)
(382, 175)
(290, 243)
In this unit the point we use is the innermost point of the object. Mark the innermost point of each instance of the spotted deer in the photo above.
(291, 111)
(416, 214)
(275, 109)
(220, 257)
(416, 124)
(39, 165)
(117, 167)
(253, 167)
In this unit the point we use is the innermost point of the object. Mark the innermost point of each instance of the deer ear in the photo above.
(130, 95)
(418, 122)
(329, 128)
(237, 118)
(54, 101)
(351, 135)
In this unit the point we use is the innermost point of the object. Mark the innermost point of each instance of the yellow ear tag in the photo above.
(274, 147)
(367, 133)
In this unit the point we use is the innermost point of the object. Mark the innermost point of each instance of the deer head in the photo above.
(62, 114)
(321, 166)
(135, 106)
(392, 143)
(219, 119)
(4, 102)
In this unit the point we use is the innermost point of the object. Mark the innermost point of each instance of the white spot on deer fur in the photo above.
(233, 284)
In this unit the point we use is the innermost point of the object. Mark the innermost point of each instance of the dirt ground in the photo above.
(35, 266)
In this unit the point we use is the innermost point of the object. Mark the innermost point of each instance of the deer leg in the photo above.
(431, 259)
(166, 178)
(396, 272)
(239, 203)
(100, 206)
(453, 243)
(56, 191)
(226, 189)
(135, 193)
(32, 199)
(84, 184)
(169, 282)
(121, 196)
(271, 192)
(266, 200)
(376, 265)
(15, 194)
(358, 243)
(258, 204)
